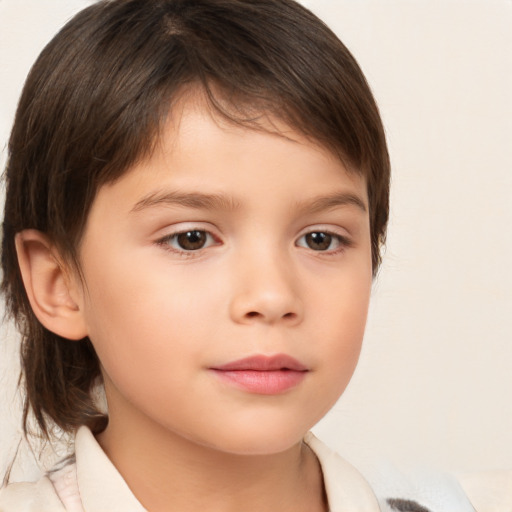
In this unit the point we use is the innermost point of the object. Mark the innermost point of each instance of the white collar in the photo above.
(346, 488)
(100, 484)
(103, 488)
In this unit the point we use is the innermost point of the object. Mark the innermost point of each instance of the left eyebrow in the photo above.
(188, 200)
(335, 200)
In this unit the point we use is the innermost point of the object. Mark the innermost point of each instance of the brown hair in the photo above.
(94, 103)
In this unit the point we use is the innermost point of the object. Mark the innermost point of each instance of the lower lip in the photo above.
(271, 382)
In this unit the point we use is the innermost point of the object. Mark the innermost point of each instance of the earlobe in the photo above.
(48, 285)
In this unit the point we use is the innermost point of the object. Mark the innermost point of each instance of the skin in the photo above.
(160, 316)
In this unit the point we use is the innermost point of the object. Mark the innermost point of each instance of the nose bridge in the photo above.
(266, 287)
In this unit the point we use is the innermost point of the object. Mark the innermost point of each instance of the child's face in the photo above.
(276, 261)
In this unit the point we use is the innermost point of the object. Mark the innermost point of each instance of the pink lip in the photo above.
(263, 374)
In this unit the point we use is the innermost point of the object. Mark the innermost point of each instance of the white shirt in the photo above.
(91, 483)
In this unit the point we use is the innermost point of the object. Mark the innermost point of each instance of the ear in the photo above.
(51, 288)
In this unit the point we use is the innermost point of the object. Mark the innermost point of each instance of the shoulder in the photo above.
(56, 492)
(37, 496)
(426, 491)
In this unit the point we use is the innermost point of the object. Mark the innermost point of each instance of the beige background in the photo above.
(434, 385)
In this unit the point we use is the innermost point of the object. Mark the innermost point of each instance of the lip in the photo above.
(264, 375)
(263, 363)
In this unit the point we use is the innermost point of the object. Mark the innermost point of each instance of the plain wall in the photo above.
(434, 381)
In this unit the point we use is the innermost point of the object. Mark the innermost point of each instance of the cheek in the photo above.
(146, 322)
(338, 353)
(341, 318)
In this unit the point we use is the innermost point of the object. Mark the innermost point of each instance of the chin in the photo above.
(259, 438)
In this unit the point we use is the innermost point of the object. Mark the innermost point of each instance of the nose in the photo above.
(266, 291)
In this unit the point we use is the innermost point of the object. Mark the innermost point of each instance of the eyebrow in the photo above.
(187, 199)
(201, 201)
(334, 200)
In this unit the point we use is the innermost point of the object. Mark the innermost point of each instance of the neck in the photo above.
(173, 473)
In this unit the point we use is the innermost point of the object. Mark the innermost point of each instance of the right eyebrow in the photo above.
(194, 200)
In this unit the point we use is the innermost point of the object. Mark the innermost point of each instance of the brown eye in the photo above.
(318, 241)
(191, 240)
(183, 242)
(325, 241)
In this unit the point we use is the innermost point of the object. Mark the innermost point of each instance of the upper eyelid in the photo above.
(345, 238)
(183, 227)
(207, 227)
(326, 228)
(171, 231)
(171, 234)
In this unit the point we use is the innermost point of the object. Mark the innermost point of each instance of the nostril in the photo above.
(254, 314)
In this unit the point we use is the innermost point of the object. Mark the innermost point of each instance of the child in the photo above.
(197, 195)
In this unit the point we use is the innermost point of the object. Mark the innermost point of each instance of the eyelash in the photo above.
(167, 240)
(343, 242)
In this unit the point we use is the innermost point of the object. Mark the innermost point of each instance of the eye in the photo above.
(190, 240)
(322, 241)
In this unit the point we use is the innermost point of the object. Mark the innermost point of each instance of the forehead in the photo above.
(195, 131)
(200, 151)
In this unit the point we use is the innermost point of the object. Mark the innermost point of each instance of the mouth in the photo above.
(264, 375)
